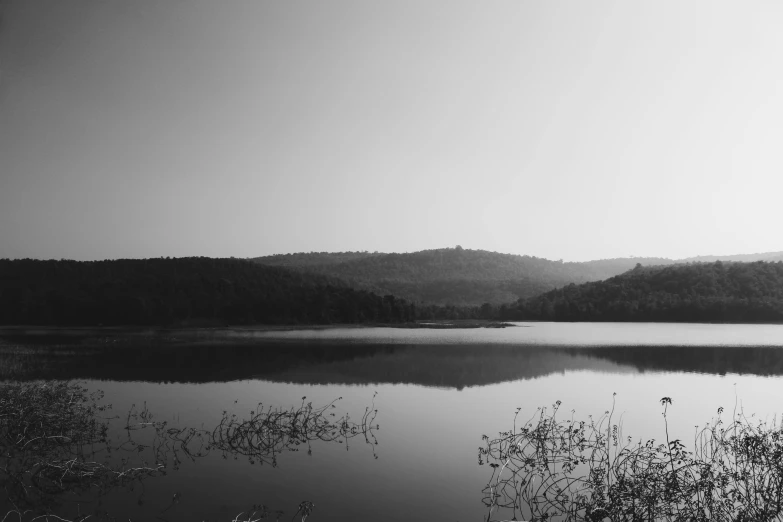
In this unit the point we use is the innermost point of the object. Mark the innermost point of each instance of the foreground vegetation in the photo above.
(550, 468)
(56, 446)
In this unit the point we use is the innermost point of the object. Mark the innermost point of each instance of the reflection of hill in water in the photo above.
(699, 359)
(454, 366)
(460, 366)
(443, 366)
(447, 366)
(177, 363)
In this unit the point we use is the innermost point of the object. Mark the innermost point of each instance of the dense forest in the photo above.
(696, 292)
(184, 291)
(454, 276)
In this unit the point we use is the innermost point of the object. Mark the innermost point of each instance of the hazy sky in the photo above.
(574, 130)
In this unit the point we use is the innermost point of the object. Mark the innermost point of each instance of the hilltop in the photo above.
(696, 292)
(741, 258)
(454, 276)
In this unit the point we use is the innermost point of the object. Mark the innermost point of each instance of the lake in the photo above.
(436, 393)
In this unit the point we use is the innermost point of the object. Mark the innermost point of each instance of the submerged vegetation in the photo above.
(556, 469)
(56, 447)
(261, 437)
(54, 439)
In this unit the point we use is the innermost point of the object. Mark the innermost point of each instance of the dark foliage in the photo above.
(699, 292)
(185, 291)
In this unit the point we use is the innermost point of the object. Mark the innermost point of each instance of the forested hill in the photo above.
(454, 276)
(698, 292)
(184, 291)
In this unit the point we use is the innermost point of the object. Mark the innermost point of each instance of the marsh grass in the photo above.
(552, 468)
(268, 432)
(261, 437)
(54, 441)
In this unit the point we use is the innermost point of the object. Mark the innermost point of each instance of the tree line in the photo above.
(697, 292)
(183, 291)
(205, 291)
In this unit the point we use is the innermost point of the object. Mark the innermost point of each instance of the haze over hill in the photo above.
(741, 258)
(460, 276)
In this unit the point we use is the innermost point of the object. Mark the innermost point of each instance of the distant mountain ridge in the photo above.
(457, 276)
(741, 258)
(302, 259)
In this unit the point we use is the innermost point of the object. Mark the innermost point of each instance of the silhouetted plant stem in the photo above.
(568, 472)
(51, 433)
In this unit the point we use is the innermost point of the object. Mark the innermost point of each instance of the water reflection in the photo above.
(450, 395)
(454, 366)
(719, 360)
(132, 362)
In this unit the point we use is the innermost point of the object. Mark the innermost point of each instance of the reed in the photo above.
(562, 469)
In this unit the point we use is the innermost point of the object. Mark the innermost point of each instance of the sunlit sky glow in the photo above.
(574, 130)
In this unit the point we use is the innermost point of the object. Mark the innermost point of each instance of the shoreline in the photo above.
(134, 329)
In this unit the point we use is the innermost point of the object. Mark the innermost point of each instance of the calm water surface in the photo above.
(436, 393)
